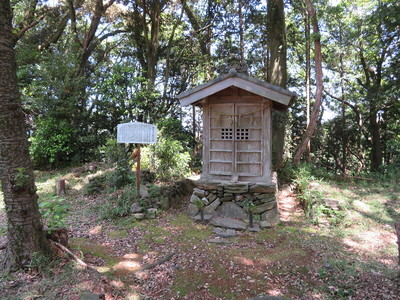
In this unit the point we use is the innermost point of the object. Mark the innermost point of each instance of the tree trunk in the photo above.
(318, 94)
(277, 72)
(308, 77)
(25, 234)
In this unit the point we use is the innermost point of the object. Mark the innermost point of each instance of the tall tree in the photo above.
(319, 89)
(277, 71)
(25, 234)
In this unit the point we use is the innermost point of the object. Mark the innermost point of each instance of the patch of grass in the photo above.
(118, 234)
(86, 246)
(125, 222)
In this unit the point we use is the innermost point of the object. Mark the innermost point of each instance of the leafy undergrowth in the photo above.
(298, 260)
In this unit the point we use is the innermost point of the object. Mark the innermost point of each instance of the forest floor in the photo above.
(357, 259)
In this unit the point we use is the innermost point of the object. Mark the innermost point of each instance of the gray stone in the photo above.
(205, 201)
(255, 228)
(272, 216)
(225, 233)
(206, 217)
(265, 197)
(239, 198)
(192, 210)
(210, 209)
(164, 201)
(231, 210)
(211, 197)
(236, 188)
(228, 223)
(208, 185)
(219, 241)
(136, 208)
(194, 199)
(138, 216)
(152, 211)
(264, 207)
(227, 197)
(199, 192)
(91, 296)
(263, 188)
(144, 191)
(265, 224)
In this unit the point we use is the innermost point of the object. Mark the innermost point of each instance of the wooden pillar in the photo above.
(60, 187)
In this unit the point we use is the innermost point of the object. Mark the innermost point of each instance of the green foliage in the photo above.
(21, 178)
(54, 210)
(52, 143)
(313, 201)
(167, 159)
(116, 155)
(40, 263)
(118, 204)
(96, 185)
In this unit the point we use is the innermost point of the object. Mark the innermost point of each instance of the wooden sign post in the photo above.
(137, 133)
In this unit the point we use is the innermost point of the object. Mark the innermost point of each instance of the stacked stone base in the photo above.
(231, 199)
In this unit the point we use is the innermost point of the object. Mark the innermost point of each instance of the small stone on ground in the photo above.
(225, 233)
(228, 223)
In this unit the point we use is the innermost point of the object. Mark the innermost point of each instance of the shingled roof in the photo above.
(242, 81)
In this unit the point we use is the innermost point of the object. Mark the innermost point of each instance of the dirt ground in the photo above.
(295, 259)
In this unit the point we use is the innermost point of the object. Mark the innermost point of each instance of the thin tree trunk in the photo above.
(25, 234)
(318, 94)
(308, 78)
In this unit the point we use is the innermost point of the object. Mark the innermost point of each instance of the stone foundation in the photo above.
(232, 199)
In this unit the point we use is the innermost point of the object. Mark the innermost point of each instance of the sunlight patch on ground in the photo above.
(245, 261)
(370, 241)
(365, 208)
(95, 230)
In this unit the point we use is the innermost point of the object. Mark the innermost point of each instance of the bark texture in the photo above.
(25, 235)
(318, 93)
(277, 73)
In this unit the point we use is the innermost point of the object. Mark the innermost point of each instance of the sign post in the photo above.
(137, 133)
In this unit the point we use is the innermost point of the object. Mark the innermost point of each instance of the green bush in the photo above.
(54, 211)
(167, 159)
(52, 143)
(118, 204)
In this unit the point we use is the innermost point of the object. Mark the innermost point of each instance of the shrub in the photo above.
(52, 143)
(118, 204)
(54, 211)
(167, 159)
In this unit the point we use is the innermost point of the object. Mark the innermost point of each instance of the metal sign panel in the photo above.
(136, 133)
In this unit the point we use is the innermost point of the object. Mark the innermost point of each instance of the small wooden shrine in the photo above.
(237, 134)
(237, 125)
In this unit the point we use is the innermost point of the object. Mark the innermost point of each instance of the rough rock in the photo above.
(265, 198)
(206, 217)
(211, 197)
(144, 191)
(152, 211)
(225, 233)
(138, 216)
(192, 210)
(136, 208)
(199, 192)
(255, 228)
(264, 207)
(210, 209)
(205, 201)
(231, 210)
(265, 224)
(228, 223)
(272, 216)
(208, 185)
(236, 188)
(227, 197)
(164, 201)
(91, 296)
(262, 188)
(194, 199)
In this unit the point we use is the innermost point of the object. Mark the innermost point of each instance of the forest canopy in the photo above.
(85, 66)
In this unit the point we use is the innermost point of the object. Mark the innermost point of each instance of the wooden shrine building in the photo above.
(237, 126)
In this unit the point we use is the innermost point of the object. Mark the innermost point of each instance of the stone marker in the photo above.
(225, 233)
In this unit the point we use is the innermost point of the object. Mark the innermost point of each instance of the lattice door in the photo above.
(235, 140)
